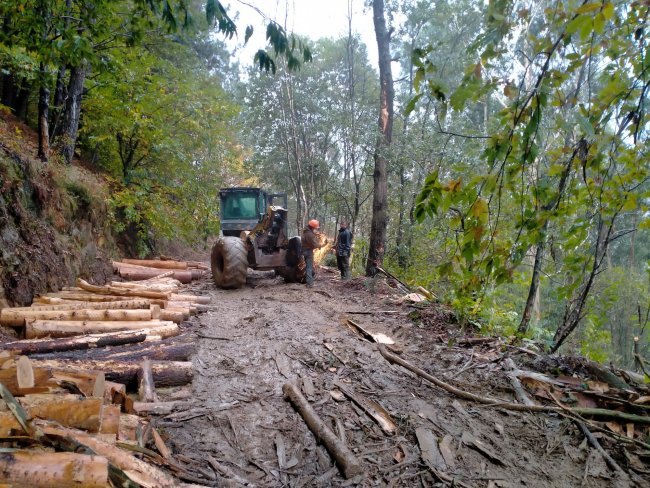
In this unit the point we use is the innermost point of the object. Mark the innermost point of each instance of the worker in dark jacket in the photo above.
(310, 241)
(343, 248)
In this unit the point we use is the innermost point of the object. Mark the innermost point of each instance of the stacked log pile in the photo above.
(142, 269)
(69, 386)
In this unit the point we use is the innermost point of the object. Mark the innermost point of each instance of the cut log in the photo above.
(146, 388)
(36, 469)
(67, 305)
(189, 298)
(66, 328)
(62, 297)
(35, 346)
(347, 461)
(144, 273)
(84, 380)
(165, 373)
(109, 290)
(153, 263)
(12, 318)
(171, 350)
(174, 315)
(151, 286)
(82, 413)
(44, 346)
(159, 408)
(139, 471)
(9, 378)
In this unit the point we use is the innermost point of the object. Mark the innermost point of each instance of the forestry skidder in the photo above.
(254, 233)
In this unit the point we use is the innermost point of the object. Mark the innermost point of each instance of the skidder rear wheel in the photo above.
(229, 262)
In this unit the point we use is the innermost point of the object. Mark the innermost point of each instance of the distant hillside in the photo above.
(54, 224)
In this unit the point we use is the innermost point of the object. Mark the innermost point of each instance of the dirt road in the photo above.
(241, 431)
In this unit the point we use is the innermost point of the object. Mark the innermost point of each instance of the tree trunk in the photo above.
(72, 113)
(57, 107)
(377, 244)
(534, 282)
(574, 308)
(43, 116)
(136, 274)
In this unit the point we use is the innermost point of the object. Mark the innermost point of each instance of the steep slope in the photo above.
(53, 220)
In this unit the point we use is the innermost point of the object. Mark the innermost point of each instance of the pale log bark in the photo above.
(109, 290)
(146, 388)
(34, 469)
(154, 263)
(24, 372)
(113, 305)
(175, 297)
(66, 328)
(16, 318)
(143, 274)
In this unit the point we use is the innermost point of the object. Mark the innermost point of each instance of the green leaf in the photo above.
(248, 34)
(412, 103)
(577, 24)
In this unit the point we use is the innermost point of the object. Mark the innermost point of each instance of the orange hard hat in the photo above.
(314, 224)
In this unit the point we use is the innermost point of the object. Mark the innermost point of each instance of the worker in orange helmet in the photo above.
(310, 241)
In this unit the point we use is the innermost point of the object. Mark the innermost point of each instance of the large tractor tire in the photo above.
(294, 271)
(229, 262)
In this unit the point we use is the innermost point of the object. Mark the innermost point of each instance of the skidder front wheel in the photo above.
(229, 262)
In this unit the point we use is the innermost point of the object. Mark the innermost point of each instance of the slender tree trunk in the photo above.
(57, 106)
(43, 115)
(574, 309)
(59, 90)
(377, 245)
(72, 111)
(534, 281)
(21, 104)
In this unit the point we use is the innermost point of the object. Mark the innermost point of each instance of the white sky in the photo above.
(312, 18)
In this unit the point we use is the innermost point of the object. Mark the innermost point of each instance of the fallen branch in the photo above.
(346, 460)
(594, 442)
(493, 402)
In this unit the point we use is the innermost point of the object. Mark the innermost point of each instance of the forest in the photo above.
(495, 152)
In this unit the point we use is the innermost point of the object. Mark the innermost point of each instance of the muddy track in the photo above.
(269, 333)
